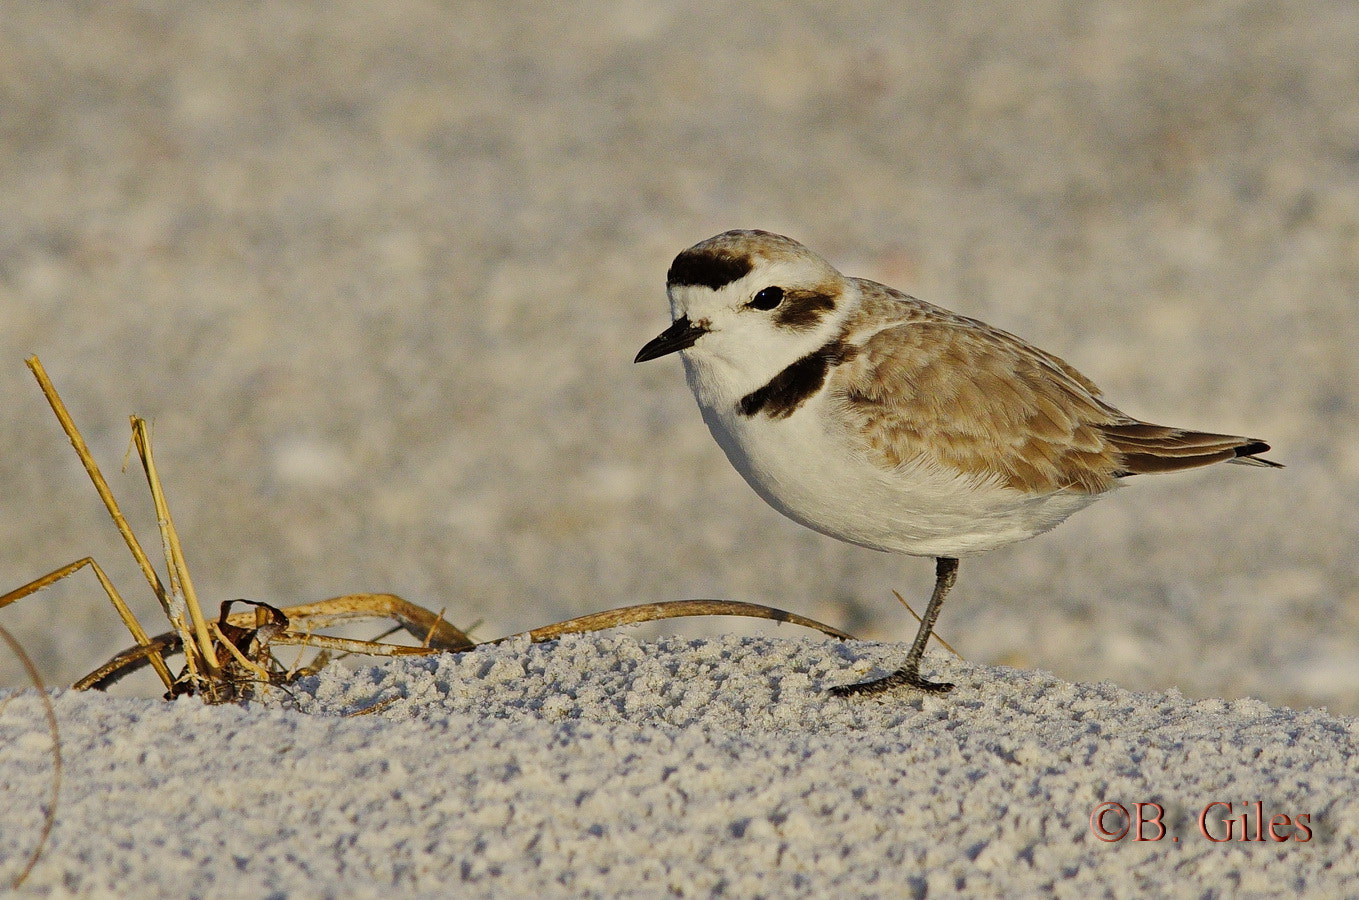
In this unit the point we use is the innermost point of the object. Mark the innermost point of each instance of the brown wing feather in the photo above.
(955, 391)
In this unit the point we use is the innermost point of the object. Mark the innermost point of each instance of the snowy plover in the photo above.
(884, 421)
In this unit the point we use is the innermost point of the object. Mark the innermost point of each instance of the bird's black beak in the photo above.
(679, 336)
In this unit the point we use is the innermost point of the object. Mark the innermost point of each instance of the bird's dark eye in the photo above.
(768, 298)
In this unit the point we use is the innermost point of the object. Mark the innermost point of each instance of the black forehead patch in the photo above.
(801, 310)
(709, 267)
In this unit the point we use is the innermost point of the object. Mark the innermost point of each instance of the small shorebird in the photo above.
(885, 421)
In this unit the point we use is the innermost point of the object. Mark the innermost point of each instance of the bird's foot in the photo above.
(900, 678)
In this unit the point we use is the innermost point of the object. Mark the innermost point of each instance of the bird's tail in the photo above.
(1145, 448)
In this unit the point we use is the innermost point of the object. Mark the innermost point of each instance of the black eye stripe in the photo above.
(803, 310)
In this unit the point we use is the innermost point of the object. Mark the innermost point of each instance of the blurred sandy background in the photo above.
(378, 270)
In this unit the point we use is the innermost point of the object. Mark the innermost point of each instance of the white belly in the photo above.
(806, 467)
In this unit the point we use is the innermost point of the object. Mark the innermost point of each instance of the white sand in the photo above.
(604, 766)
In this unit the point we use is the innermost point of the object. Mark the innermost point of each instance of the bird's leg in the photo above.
(945, 573)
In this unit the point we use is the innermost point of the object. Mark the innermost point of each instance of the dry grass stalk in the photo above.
(181, 602)
(97, 477)
(934, 634)
(138, 634)
(650, 612)
(50, 815)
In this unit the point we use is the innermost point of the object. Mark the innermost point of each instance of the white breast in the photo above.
(807, 467)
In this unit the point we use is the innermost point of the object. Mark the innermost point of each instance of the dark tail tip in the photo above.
(1247, 453)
